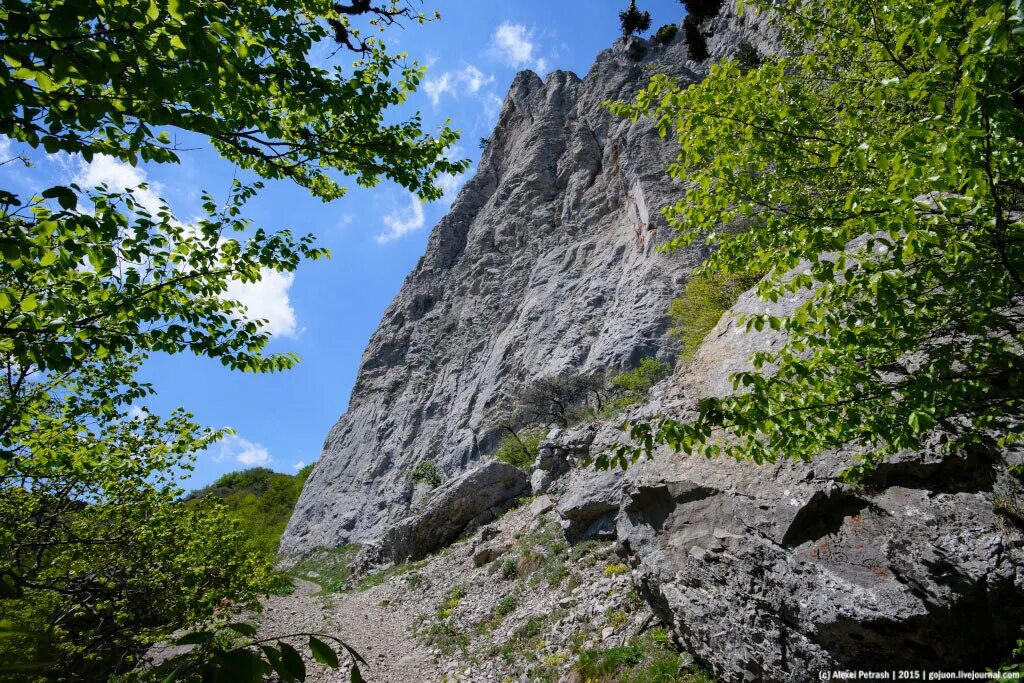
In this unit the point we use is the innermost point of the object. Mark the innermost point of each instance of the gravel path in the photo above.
(383, 637)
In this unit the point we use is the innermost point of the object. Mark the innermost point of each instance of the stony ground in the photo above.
(512, 603)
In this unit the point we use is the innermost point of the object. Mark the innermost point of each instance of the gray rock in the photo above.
(546, 261)
(541, 505)
(463, 503)
(589, 504)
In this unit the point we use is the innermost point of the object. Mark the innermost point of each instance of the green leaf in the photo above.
(322, 652)
(292, 661)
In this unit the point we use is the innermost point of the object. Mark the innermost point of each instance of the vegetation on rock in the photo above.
(703, 302)
(665, 34)
(427, 473)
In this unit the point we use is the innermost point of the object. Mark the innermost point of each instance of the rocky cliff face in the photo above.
(546, 261)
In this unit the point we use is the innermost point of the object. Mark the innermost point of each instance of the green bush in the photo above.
(703, 302)
(665, 34)
(640, 379)
(520, 449)
(427, 473)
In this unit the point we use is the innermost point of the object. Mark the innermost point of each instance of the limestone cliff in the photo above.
(546, 261)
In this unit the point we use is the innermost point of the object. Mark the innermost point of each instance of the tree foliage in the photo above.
(105, 76)
(882, 171)
(701, 9)
(260, 502)
(696, 44)
(98, 559)
(633, 20)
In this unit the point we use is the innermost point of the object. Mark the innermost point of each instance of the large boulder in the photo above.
(461, 504)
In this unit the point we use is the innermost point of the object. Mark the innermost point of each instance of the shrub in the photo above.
(506, 605)
(703, 302)
(446, 637)
(640, 379)
(426, 472)
(519, 449)
(665, 34)
(748, 56)
(615, 570)
(509, 569)
(698, 46)
(633, 20)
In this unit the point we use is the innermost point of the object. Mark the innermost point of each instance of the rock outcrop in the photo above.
(546, 261)
(463, 504)
(779, 572)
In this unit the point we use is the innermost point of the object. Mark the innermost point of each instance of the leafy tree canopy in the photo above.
(99, 560)
(882, 173)
(114, 76)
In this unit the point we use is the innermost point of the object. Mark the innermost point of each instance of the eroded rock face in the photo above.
(546, 261)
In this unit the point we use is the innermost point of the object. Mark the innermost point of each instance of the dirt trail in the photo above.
(383, 637)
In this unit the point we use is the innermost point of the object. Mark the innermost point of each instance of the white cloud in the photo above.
(241, 450)
(136, 413)
(437, 87)
(403, 221)
(267, 299)
(299, 465)
(6, 148)
(469, 80)
(118, 176)
(514, 44)
(474, 79)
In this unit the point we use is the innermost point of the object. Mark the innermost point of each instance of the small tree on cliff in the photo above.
(633, 20)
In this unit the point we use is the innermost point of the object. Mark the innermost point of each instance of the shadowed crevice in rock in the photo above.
(823, 515)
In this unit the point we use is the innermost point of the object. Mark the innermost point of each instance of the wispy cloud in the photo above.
(437, 87)
(468, 81)
(515, 45)
(242, 451)
(119, 176)
(474, 79)
(299, 465)
(403, 221)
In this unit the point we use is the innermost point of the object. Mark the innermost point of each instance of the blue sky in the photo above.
(328, 310)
